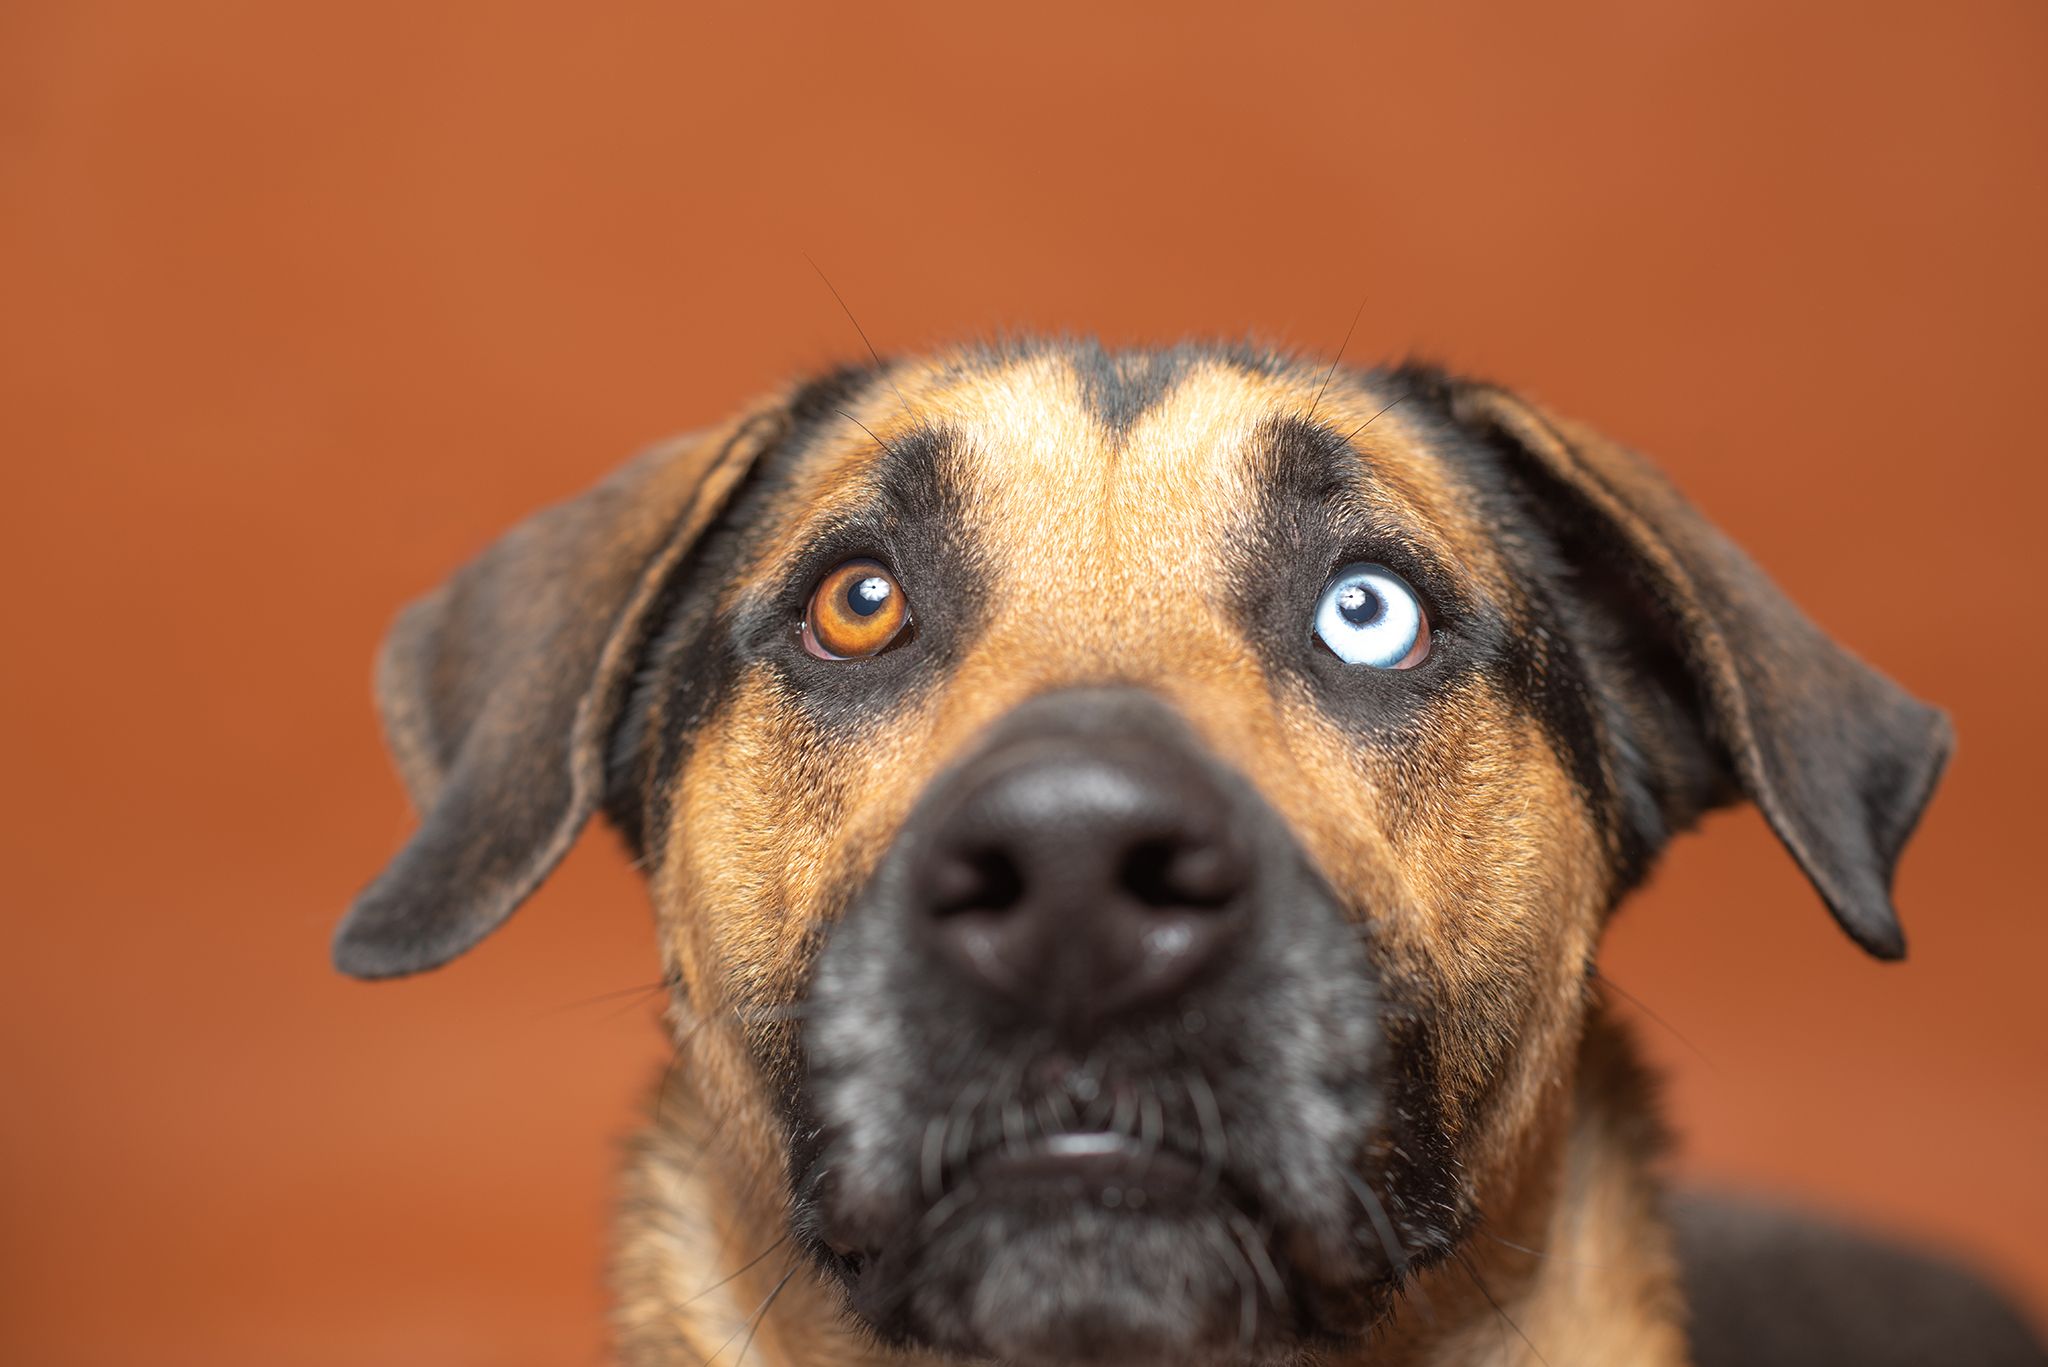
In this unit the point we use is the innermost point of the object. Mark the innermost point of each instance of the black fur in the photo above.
(689, 661)
(1283, 1050)
(1770, 1288)
(1338, 1177)
(1121, 387)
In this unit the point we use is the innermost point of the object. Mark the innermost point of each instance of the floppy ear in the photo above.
(1839, 758)
(498, 690)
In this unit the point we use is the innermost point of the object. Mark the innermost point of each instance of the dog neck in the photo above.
(1576, 1267)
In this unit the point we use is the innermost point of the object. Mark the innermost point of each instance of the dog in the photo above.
(1131, 834)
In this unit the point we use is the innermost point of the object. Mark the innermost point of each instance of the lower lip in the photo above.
(1113, 1169)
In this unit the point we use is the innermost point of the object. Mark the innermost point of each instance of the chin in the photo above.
(1042, 1281)
(1091, 1247)
(1090, 1286)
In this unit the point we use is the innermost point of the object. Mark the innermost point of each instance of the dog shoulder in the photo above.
(1769, 1286)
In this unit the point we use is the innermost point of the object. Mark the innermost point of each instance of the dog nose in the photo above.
(1080, 880)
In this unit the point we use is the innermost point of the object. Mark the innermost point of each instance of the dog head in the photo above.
(1130, 832)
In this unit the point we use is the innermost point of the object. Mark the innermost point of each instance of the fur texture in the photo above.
(1417, 1130)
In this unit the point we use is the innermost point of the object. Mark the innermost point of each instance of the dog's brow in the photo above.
(869, 478)
(1384, 491)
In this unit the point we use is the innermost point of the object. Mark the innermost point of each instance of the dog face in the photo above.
(1130, 832)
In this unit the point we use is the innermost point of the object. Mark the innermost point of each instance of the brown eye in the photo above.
(856, 611)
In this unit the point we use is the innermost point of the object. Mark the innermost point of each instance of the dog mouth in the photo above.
(1050, 1160)
(1082, 1138)
(1180, 1190)
(1082, 1134)
(1118, 1229)
(1114, 1170)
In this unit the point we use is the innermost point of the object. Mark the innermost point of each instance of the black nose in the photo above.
(1083, 878)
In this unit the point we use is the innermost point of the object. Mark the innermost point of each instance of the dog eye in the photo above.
(856, 611)
(1369, 616)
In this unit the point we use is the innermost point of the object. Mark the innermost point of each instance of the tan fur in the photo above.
(1577, 1266)
(1487, 874)
(1624, 668)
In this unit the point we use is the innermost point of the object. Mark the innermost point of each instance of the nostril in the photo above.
(1181, 874)
(984, 880)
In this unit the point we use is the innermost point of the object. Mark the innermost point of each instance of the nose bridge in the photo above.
(1106, 709)
(1055, 793)
(1213, 697)
(1066, 653)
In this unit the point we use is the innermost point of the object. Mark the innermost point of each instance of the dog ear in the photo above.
(498, 689)
(1839, 758)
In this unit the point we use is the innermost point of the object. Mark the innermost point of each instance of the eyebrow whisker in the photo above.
(865, 428)
(873, 354)
(1373, 419)
(1338, 359)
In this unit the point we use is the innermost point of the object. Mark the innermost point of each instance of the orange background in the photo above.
(303, 303)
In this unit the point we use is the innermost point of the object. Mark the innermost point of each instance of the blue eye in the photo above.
(1369, 616)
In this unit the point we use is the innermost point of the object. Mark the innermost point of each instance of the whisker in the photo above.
(960, 1117)
(762, 1318)
(1639, 1004)
(1374, 418)
(1506, 1318)
(1015, 1133)
(1047, 1115)
(790, 1011)
(865, 428)
(1336, 360)
(1247, 1295)
(1209, 1118)
(1381, 1225)
(1262, 1262)
(1557, 1258)
(1064, 1115)
(814, 1178)
(873, 354)
(602, 997)
(741, 1270)
(753, 1321)
(1124, 1112)
(941, 1211)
